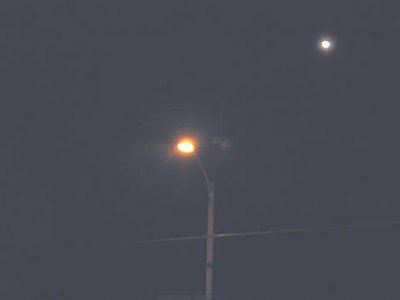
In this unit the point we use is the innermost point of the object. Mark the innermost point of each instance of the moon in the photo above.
(326, 44)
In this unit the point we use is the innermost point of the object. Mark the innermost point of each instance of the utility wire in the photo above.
(253, 233)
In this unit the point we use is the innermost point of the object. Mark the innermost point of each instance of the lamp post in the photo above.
(188, 147)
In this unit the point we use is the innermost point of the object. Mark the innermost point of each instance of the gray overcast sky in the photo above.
(94, 93)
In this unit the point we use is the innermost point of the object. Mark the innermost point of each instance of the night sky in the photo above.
(95, 93)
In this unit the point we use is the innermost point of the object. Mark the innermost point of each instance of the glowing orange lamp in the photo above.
(186, 146)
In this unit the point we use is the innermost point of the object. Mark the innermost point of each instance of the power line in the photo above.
(252, 233)
(306, 229)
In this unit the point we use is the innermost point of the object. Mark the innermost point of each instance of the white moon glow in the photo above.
(325, 44)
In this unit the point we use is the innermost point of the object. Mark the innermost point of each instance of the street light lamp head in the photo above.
(186, 146)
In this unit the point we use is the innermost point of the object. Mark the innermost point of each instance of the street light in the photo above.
(187, 146)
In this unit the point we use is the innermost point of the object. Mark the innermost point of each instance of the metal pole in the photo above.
(210, 243)
(210, 232)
